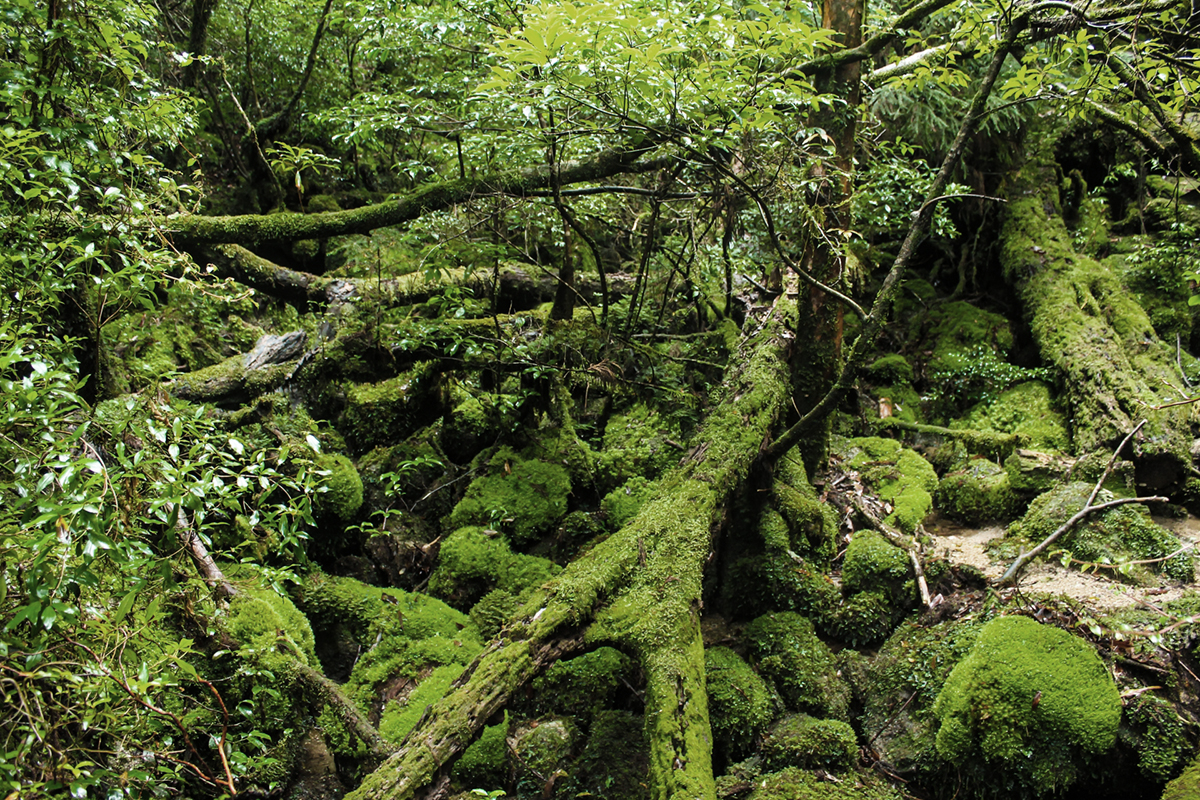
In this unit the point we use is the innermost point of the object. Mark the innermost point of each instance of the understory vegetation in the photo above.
(556, 400)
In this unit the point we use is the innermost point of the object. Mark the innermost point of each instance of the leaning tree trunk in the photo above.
(1089, 326)
(640, 588)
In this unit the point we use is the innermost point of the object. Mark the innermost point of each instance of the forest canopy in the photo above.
(451, 399)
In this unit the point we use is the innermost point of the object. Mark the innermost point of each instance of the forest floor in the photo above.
(962, 545)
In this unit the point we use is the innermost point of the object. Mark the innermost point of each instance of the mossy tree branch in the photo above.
(192, 230)
(641, 586)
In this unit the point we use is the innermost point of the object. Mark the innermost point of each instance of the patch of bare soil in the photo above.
(961, 545)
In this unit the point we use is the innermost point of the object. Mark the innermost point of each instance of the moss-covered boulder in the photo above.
(522, 498)
(540, 748)
(874, 564)
(1116, 536)
(801, 666)
(377, 414)
(1026, 410)
(474, 561)
(977, 492)
(1030, 703)
(899, 476)
(636, 442)
(775, 581)
(623, 503)
(811, 524)
(740, 705)
(795, 783)
(897, 689)
(485, 761)
(809, 743)
(958, 329)
(1186, 786)
(583, 686)
(614, 761)
(340, 491)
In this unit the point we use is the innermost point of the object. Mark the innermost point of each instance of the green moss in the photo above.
(794, 783)
(584, 685)
(1118, 535)
(1186, 786)
(1030, 702)
(800, 665)
(957, 328)
(874, 564)
(540, 749)
(891, 369)
(263, 621)
(811, 524)
(739, 703)
(899, 476)
(898, 687)
(340, 492)
(483, 762)
(377, 414)
(1026, 410)
(976, 493)
(774, 581)
(372, 611)
(622, 504)
(636, 442)
(399, 717)
(809, 743)
(493, 610)
(467, 428)
(471, 563)
(864, 619)
(524, 498)
(613, 763)
(1159, 737)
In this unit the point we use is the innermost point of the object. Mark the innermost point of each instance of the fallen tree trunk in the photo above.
(642, 588)
(1089, 326)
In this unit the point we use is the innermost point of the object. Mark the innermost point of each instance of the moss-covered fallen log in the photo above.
(1089, 326)
(642, 588)
(194, 229)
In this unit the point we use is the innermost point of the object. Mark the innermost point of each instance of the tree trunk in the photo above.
(1088, 325)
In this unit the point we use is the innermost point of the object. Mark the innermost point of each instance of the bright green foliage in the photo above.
(262, 621)
(521, 497)
(474, 561)
(340, 493)
(740, 705)
(1159, 736)
(795, 783)
(483, 762)
(1027, 410)
(1030, 701)
(584, 685)
(977, 492)
(803, 741)
(1114, 537)
(899, 476)
(800, 665)
(399, 717)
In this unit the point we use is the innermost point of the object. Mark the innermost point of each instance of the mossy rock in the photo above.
(801, 667)
(1186, 786)
(957, 328)
(739, 703)
(1158, 735)
(261, 620)
(899, 685)
(811, 524)
(809, 743)
(1026, 410)
(467, 428)
(400, 716)
(1031, 706)
(474, 561)
(976, 493)
(898, 475)
(890, 369)
(874, 564)
(340, 492)
(1114, 536)
(864, 619)
(636, 442)
(794, 783)
(540, 748)
(484, 761)
(382, 413)
(493, 610)
(584, 685)
(614, 762)
(523, 498)
(623, 503)
(774, 581)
